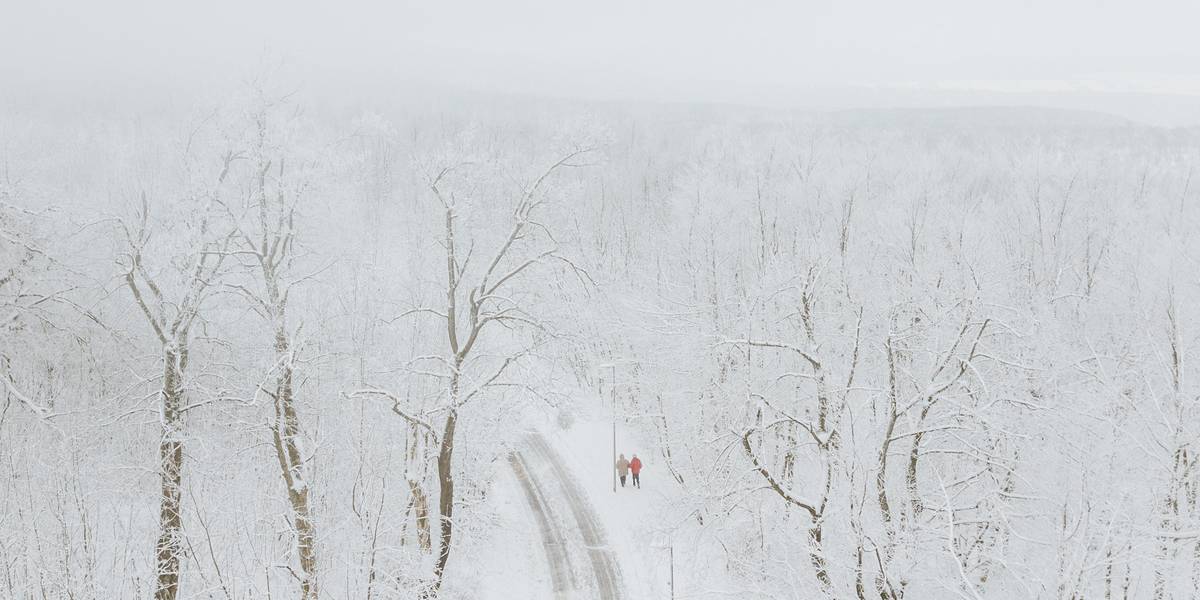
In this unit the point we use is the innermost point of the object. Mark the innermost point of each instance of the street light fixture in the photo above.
(612, 466)
(670, 548)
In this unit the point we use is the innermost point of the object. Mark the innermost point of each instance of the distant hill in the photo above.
(986, 117)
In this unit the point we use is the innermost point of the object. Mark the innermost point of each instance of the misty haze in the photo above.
(625, 301)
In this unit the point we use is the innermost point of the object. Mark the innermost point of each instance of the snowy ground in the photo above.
(546, 539)
(510, 563)
(630, 515)
(518, 559)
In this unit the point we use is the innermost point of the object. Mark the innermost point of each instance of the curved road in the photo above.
(576, 548)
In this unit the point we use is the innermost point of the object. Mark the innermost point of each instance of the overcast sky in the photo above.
(672, 49)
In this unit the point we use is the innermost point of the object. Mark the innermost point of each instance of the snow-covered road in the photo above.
(581, 561)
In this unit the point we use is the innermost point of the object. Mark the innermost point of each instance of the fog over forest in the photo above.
(277, 322)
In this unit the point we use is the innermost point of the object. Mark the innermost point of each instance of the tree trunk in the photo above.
(286, 432)
(420, 503)
(885, 509)
(1168, 521)
(445, 497)
(914, 456)
(817, 555)
(170, 453)
(882, 585)
(860, 589)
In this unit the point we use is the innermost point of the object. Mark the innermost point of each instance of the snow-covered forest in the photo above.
(269, 347)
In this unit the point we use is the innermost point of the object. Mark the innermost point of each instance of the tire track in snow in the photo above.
(562, 577)
(606, 572)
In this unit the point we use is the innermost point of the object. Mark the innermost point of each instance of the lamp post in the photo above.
(612, 367)
(670, 548)
(613, 464)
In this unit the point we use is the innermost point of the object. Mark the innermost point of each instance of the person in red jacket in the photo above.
(635, 467)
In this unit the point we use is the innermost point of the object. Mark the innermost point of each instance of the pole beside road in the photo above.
(613, 464)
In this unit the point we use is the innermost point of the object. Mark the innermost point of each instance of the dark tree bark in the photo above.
(170, 453)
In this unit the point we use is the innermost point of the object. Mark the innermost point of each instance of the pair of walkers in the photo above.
(625, 467)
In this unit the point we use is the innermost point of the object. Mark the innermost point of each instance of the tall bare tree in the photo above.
(171, 311)
(267, 228)
(477, 300)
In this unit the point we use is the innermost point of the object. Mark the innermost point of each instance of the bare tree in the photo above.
(485, 303)
(23, 302)
(824, 433)
(171, 312)
(475, 302)
(267, 228)
(1180, 497)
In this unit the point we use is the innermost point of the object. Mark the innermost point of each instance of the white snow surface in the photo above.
(629, 516)
(509, 562)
